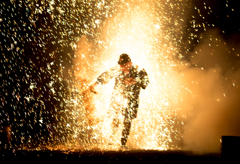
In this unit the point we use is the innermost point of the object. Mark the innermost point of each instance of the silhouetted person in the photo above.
(129, 80)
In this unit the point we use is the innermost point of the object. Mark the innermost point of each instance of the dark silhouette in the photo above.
(129, 80)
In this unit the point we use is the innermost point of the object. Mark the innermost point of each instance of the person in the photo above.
(129, 80)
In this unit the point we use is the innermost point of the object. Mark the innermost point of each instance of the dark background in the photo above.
(33, 42)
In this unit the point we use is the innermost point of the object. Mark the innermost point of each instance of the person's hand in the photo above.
(92, 88)
(130, 81)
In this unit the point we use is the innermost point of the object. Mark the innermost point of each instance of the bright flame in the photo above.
(136, 33)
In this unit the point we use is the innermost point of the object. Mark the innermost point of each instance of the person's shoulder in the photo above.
(135, 68)
(138, 68)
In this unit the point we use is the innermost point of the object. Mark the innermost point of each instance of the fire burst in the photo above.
(52, 51)
(137, 31)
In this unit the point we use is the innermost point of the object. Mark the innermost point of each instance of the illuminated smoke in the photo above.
(53, 50)
(137, 32)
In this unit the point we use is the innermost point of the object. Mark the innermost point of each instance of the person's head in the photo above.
(124, 60)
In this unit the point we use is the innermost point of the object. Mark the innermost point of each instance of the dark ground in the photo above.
(137, 156)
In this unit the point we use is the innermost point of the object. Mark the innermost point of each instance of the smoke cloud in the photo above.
(211, 94)
(205, 91)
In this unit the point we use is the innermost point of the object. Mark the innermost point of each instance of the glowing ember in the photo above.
(53, 51)
(136, 32)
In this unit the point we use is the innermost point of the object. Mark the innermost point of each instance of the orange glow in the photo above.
(136, 33)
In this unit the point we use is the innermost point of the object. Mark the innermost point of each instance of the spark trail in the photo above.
(137, 31)
(53, 50)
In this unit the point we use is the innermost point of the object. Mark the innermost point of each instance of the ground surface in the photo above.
(133, 156)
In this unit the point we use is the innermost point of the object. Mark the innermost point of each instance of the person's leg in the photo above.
(115, 124)
(114, 128)
(126, 130)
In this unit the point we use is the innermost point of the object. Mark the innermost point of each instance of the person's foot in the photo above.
(124, 147)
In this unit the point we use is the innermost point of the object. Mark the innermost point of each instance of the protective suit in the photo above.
(125, 98)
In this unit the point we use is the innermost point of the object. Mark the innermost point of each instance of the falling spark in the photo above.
(53, 51)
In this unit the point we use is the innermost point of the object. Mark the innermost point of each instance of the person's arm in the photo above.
(104, 78)
(92, 88)
(144, 78)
